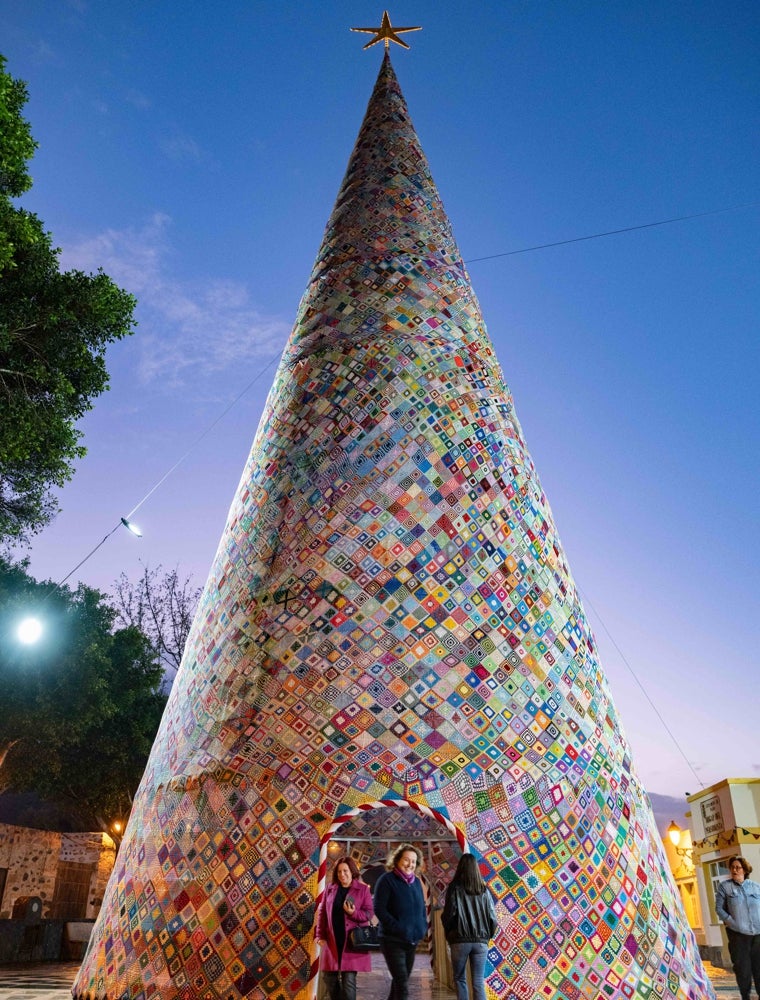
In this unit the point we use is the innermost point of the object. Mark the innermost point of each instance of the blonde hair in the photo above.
(395, 854)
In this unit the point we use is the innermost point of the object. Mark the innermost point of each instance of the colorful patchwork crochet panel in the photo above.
(389, 621)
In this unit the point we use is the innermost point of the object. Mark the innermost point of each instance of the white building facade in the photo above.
(724, 820)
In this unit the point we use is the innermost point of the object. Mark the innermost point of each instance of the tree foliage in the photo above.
(162, 606)
(54, 329)
(82, 706)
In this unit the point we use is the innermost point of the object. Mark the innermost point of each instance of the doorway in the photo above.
(368, 835)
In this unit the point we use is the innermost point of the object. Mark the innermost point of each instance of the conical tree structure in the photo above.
(389, 618)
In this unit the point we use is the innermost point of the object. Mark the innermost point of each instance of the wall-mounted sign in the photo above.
(712, 816)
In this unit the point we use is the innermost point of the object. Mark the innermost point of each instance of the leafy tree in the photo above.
(82, 706)
(162, 606)
(54, 329)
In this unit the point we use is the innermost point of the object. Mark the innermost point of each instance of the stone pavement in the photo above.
(52, 981)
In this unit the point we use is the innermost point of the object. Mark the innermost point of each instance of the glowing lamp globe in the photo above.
(29, 631)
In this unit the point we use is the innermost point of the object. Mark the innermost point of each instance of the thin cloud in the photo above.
(137, 99)
(44, 54)
(181, 147)
(210, 323)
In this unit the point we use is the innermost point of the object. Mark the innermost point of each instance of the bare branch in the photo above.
(162, 606)
(6, 750)
(4, 784)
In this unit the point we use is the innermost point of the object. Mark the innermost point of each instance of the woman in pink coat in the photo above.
(347, 903)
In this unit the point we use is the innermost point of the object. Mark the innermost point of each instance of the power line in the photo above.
(643, 690)
(614, 232)
(472, 260)
(203, 434)
(123, 521)
(92, 552)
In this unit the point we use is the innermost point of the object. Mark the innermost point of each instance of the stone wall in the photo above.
(32, 858)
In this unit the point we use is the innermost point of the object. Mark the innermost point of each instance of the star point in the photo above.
(387, 33)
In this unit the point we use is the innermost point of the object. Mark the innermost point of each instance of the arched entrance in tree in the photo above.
(368, 834)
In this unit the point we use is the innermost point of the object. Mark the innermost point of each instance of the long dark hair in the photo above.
(468, 876)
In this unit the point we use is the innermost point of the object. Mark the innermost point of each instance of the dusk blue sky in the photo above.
(195, 151)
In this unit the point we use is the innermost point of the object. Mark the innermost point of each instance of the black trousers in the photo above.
(744, 950)
(340, 985)
(399, 957)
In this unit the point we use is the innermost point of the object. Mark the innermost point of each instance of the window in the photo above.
(717, 872)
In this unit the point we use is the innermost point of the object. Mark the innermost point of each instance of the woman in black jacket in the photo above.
(400, 908)
(469, 920)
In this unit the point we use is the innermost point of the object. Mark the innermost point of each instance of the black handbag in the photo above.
(364, 938)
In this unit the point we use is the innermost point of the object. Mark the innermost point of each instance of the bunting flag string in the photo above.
(726, 838)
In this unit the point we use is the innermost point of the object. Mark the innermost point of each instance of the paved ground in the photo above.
(53, 982)
(37, 982)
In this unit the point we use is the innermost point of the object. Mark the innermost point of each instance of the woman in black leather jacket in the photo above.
(469, 920)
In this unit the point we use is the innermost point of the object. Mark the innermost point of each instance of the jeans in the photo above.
(745, 955)
(475, 952)
(399, 957)
(340, 985)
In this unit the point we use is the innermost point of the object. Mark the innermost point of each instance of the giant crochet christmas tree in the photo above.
(390, 619)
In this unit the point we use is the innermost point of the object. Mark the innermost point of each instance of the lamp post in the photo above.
(675, 833)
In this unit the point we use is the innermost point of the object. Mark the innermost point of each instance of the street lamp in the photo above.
(30, 629)
(674, 833)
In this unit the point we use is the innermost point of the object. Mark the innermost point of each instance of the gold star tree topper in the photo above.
(387, 33)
